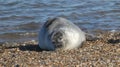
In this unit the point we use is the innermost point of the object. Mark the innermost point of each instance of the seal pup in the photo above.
(60, 33)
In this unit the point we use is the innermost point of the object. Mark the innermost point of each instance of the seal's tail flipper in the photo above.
(91, 37)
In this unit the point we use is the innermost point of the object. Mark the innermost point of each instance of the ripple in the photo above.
(29, 26)
(14, 17)
(21, 16)
(18, 36)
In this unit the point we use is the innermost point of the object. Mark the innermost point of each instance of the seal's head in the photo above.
(60, 33)
(58, 39)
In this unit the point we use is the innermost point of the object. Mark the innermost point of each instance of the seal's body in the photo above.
(60, 33)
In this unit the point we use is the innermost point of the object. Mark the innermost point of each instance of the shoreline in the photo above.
(103, 52)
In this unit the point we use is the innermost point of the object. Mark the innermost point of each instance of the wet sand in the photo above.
(102, 52)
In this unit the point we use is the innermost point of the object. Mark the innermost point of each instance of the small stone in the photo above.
(17, 65)
(24, 44)
(33, 58)
(118, 50)
(2, 49)
(17, 49)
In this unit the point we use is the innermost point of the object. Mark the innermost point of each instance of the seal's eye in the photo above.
(57, 39)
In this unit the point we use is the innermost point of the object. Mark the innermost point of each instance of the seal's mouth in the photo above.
(57, 39)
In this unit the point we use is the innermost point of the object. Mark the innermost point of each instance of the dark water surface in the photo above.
(20, 20)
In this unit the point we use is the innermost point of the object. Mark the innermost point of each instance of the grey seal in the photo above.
(60, 33)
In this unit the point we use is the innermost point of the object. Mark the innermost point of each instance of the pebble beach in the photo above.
(21, 20)
(102, 52)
